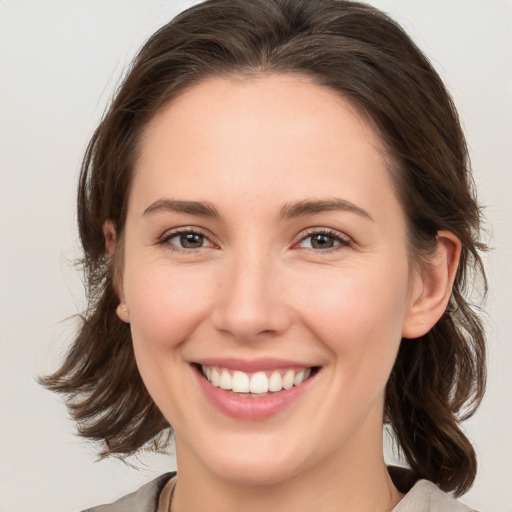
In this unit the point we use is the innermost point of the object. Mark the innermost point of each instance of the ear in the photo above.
(109, 232)
(110, 235)
(432, 287)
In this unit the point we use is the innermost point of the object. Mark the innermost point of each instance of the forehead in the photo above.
(278, 137)
(269, 100)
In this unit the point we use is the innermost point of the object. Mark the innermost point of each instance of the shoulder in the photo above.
(424, 496)
(144, 499)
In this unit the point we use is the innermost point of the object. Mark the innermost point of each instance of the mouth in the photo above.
(255, 384)
(254, 390)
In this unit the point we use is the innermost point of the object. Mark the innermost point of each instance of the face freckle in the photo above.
(263, 235)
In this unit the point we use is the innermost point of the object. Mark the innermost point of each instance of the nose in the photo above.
(251, 304)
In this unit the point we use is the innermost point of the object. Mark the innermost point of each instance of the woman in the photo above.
(278, 227)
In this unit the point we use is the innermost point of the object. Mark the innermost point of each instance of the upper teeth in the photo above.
(259, 382)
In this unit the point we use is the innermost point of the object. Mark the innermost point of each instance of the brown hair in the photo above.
(365, 56)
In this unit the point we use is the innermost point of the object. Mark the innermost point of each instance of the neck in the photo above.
(358, 484)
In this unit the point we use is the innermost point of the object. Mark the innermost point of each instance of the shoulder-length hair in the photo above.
(356, 50)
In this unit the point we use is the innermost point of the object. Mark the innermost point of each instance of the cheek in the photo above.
(166, 305)
(358, 314)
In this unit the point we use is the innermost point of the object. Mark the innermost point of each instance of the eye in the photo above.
(323, 240)
(186, 240)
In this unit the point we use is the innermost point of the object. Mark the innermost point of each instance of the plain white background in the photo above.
(59, 63)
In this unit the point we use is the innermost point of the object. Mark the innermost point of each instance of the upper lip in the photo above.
(252, 365)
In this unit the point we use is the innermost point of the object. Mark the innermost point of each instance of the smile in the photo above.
(253, 390)
(256, 383)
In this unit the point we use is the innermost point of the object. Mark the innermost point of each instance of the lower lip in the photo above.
(247, 408)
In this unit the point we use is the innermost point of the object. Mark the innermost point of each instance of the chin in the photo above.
(258, 463)
(254, 473)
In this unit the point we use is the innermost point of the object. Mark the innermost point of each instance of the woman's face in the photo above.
(265, 247)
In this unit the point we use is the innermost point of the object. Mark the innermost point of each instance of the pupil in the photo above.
(322, 242)
(191, 240)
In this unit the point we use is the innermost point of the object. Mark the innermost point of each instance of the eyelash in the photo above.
(342, 241)
(165, 240)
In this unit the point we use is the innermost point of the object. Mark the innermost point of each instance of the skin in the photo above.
(259, 287)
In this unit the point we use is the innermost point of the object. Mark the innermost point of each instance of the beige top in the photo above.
(427, 497)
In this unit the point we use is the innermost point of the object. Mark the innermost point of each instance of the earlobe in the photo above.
(432, 287)
(123, 313)
(110, 234)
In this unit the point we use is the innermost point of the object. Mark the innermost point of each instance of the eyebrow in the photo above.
(204, 209)
(312, 206)
(289, 210)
